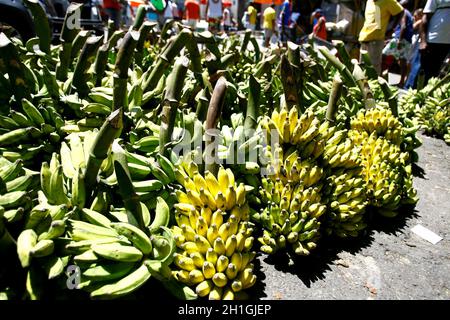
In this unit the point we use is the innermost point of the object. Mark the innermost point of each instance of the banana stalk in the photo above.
(334, 98)
(289, 84)
(114, 38)
(140, 16)
(391, 99)
(78, 43)
(202, 105)
(343, 54)
(101, 61)
(363, 84)
(245, 41)
(126, 188)
(67, 36)
(214, 112)
(41, 24)
(172, 97)
(110, 129)
(80, 78)
(368, 66)
(256, 48)
(251, 115)
(144, 31)
(347, 77)
(123, 62)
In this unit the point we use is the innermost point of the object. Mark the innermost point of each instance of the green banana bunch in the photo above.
(213, 234)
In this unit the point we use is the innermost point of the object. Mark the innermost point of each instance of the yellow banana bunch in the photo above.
(385, 166)
(213, 234)
(378, 120)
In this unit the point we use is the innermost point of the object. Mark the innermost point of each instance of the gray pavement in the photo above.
(388, 262)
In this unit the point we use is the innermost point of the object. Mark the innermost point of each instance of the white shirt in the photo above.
(227, 21)
(439, 25)
(168, 11)
(215, 9)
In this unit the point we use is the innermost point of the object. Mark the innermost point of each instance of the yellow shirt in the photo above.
(252, 15)
(269, 16)
(377, 17)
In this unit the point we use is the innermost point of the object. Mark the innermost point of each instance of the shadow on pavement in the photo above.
(311, 268)
(418, 171)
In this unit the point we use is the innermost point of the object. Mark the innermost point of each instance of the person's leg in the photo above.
(415, 67)
(374, 49)
(438, 52)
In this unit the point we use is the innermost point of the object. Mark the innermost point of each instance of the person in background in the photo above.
(434, 36)
(400, 45)
(227, 20)
(252, 15)
(168, 11)
(192, 9)
(177, 12)
(156, 10)
(269, 17)
(414, 58)
(113, 9)
(285, 19)
(319, 24)
(214, 14)
(373, 32)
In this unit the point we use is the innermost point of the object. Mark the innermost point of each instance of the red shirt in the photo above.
(320, 29)
(192, 9)
(114, 4)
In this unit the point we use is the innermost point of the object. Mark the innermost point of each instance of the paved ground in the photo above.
(389, 262)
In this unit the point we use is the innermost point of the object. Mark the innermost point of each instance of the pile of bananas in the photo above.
(29, 131)
(428, 108)
(18, 186)
(291, 196)
(385, 166)
(345, 187)
(213, 234)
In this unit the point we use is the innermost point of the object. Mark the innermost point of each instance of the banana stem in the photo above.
(143, 34)
(368, 66)
(343, 53)
(289, 84)
(13, 66)
(165, 29)
(363, 84)
(347, 77)
(255, 44)
(212, 118)
(114, 38)
(79, 75)
(123, 61)
(126, 189)
(202, 105)
(41, 24)
(392, 101)
(100, 63)
(78, 43)
(110, 130)
(140, 16)
(174, 88)
(194, 55)
(334, 98)
(251, 114)
(245, 41)
(293, 54)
